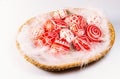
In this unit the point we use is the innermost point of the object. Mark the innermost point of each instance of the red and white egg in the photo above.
(60, 14)
(66, 34)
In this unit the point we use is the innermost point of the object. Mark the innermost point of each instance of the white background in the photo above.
(13, 13)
